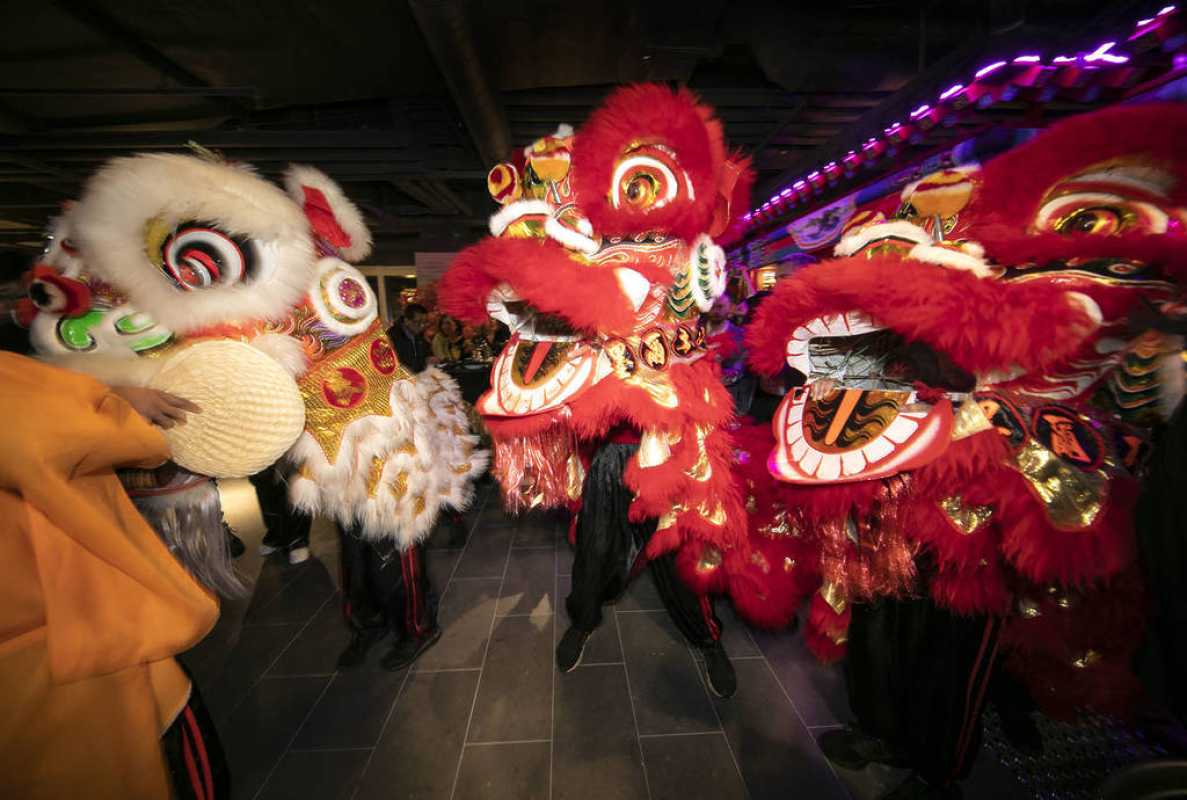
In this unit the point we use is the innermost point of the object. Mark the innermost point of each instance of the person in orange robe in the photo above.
(93, 608)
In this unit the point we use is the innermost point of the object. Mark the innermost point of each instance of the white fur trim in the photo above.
(346, 213)
(331, 311)
(108, 227)
(897, 229)
(1089, 306)
(513, 211)
(633, 285)
(963, 260)
(569, 238)
(285, 350)
(427, 410)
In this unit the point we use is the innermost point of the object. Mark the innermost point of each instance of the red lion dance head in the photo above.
(600, 261)
(984, 380)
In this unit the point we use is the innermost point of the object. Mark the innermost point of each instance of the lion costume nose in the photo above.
(53, 293)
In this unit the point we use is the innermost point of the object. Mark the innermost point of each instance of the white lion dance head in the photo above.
(200, 277)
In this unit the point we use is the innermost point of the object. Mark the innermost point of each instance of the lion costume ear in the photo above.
(334, 219)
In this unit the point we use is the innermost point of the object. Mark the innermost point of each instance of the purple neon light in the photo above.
(1144, 22)
(919, 112)
(785, 193)
(955, 88)
(799, 185)
(1064, 60)
(1167, 10)
(988, 68)
(1028, 59)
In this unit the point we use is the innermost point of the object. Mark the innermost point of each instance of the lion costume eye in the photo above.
(645, 182)
(1100, 214)
(200, 256)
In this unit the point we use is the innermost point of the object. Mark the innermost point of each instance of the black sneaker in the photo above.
(915, 788)
(570, 649)
(361, 643)
(722, 680)
(408, 649)
(850, 748)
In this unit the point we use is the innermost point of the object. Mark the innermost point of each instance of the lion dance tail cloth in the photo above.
(600, 261)
(200, 277)
(991, 396)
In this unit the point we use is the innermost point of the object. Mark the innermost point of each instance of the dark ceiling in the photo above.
(407, 102)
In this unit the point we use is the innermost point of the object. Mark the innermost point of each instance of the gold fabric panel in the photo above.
(965, 518)
(1073, 498)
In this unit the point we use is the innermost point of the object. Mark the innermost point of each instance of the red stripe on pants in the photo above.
(192, 722)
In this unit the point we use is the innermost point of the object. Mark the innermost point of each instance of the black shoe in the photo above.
(407, 650)
(915, 788)
(234, 544)
(850, 748)
(570, 649)
(722, 680)
(361, 643)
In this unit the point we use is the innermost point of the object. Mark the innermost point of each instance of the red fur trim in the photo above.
(651, 114)
(824, 628)
(825, 649)
(1016, 182)
(728, 223)
(983, 324)
(976, 590)
(1043, 553)
(542, 273)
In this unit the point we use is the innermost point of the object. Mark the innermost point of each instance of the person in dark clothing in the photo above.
(386, 590)
(407, 337)
(606, 544)
(287, 529)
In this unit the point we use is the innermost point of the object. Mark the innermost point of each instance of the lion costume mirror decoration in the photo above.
(198, 276)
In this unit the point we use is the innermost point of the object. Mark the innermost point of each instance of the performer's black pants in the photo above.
(604, 544)
(385, 588)
(286, 526)
(194, 755)
(917, 677)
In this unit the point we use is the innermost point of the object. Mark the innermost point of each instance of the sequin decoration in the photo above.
(1073, 499)
(653, 449)
(834, 595)
(710, 560)
(702, 469)
(965, 518)
(345, 387)
(351, 293)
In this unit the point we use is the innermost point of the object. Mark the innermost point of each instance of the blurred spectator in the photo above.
(407, 337)
(724, 336)
(483, 345)
(447, 344)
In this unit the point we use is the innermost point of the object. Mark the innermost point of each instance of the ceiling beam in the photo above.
(446, 30)
(104, 24)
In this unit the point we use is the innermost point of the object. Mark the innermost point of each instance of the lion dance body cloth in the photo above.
(199, 277)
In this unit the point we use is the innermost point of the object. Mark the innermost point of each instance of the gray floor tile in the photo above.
(684, 767)
(564, 558)
(486, 554)
(449, 535)
(274, 575)
(641, 595)
(258, 732)
(418, 753)
(440, 564)
(538, 530)
(257, 647)
(875, 781)
(504, 772)
(530, 583)
(818, 690)
(300, 599)
(315, 649)
(515, 695)
(778, 756)
(318, 775)
(465, 616)
(669, 697)
(352, 711)
(603, 647)
(595, 752)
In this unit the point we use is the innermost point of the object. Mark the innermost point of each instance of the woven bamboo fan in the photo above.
(252, 410)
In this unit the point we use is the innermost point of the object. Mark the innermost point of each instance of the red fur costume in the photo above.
(600, 261)
(989, 397)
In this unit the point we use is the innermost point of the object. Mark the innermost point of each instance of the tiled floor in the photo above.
(485, 715)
